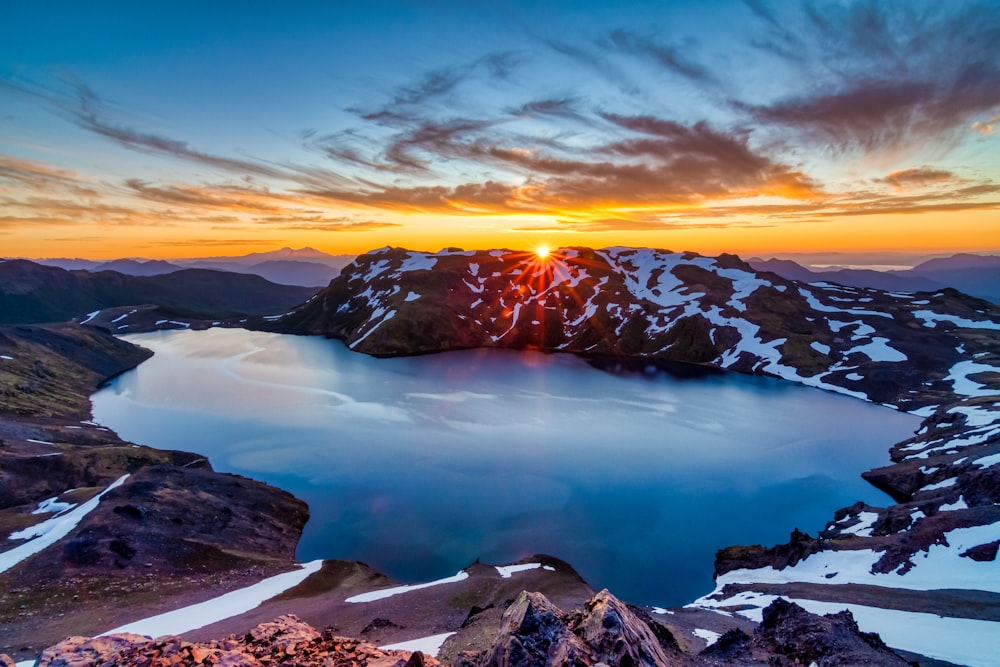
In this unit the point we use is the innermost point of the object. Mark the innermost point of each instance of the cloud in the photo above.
(554, 107)
(501, 65)
(39, 177)
(88, 116)
(86, 109)
(596, 62)
(212, 242)
(670, 57)
(884, 77)
(879, 114)
(917, 177)
(986, 127)
(231, 198)
(362, 226)
(643, 224)
(440, 139)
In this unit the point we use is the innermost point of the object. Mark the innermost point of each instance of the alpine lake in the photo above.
(420, 465)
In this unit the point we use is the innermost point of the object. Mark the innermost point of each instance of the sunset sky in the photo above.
(183, 129)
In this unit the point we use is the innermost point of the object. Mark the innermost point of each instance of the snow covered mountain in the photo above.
(655, 305)
(935, 354)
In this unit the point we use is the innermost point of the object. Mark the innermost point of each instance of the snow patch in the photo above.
(931, 320)
(418, 261)
(864, 526)
(412, 296)
(941, 566)
(399, 590)
(225, 606)
(987, 461)
(709, 636)
(48, 532)
(53, 506)
(507, 570)
(961, 384)
(879, 350)
(377, 313)
(957, 505)
(427, 645)
(940, 485)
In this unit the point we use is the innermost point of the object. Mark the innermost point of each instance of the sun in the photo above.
(542, 252)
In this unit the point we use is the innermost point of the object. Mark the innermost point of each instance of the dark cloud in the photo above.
(439, 139)
(409, 102)
(672, 58)
(470, 197)
(501, 65)
(878, 114)
(883, 76)
(667, 164)
(401, 107)
(556, 107)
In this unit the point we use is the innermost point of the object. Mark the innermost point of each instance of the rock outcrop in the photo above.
(285, 641)
(789, 635)
(535, 633)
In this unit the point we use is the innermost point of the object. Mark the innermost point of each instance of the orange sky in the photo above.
(752, 128)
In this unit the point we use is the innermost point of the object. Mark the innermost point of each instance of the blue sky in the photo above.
(172, 129)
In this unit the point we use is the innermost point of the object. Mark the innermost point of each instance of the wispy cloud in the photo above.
(903, 179)
(671, 57)
(38, 177)
(885, 76)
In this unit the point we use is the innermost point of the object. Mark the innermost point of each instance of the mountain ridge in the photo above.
(976, 275)
(31, 292)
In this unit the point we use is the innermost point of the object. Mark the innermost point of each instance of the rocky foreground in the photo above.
(533, 633)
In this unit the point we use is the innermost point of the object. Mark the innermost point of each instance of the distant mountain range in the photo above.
(978, 275)
(305, 267)
(31, 292)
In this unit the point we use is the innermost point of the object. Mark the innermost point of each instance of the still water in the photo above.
(420, 465)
